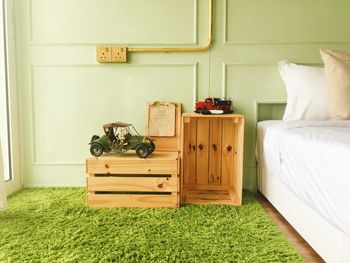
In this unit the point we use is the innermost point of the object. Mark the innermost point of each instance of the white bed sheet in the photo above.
(312, 158)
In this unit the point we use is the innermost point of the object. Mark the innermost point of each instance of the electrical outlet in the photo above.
(103, 54)
(119, 54)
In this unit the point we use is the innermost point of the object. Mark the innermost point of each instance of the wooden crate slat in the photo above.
(130, 200)
(189, 150)
(236, 198)
(209, 202)
(140, 166)
(215, 151)
(228, 152)
(142, 184)
(238, 161)
(210, 192)
(208, 196)
(207, 187)
(202, 150)
(227, 197)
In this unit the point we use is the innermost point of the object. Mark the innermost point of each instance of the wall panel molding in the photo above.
(193, 69)
(228, 42)
(192, 41)
(225, 66)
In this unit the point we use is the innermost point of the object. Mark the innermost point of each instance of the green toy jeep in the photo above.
(121, 137)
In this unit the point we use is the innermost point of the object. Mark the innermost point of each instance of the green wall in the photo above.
(66, 96)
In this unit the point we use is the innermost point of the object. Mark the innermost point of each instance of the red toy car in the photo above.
(214, 106)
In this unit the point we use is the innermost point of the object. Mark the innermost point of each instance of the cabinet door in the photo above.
(228, 151)
(215, 151)
(202, 151)
(189, 150)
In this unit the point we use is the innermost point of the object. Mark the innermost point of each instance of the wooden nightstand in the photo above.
(125, 180)
(212, 154)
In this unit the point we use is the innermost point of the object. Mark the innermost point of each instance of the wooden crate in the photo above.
(125, 180)
(212, 154)
(129, 181)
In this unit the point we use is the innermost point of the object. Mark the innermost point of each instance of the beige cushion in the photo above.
(337, 74)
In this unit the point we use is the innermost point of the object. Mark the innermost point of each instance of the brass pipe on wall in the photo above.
(181, 49)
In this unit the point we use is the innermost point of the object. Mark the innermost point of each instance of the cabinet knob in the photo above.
(215, 147)
(193, 147)
(107, 166)
(160, 186)
(200, 147)
(229, 148)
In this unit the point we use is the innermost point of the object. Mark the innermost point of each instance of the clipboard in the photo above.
(163, 124)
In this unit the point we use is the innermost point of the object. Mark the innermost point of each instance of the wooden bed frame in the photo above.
(328, 241)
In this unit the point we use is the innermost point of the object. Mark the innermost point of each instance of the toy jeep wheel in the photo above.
(199, 110)
(142, 151)
(94, 138)
(96, 149)
(152, 147)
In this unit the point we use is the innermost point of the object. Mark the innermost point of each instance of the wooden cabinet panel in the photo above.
(202, 151)
(189, 150)
(212, 154)
(215, 151)
(228, 151)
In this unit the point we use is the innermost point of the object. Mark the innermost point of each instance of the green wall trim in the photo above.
(66, 96)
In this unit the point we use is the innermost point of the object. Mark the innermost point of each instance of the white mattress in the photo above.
(312, 158)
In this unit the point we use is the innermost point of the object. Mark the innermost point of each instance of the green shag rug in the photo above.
(54, 225)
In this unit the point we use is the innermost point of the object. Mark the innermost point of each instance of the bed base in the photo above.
(329, 242)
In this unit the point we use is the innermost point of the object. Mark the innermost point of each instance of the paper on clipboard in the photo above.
(161, 121)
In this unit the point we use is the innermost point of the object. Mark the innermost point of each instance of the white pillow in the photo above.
(307, 94)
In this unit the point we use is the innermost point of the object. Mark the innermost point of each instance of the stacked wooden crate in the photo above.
(212, 154)
(125, 180)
